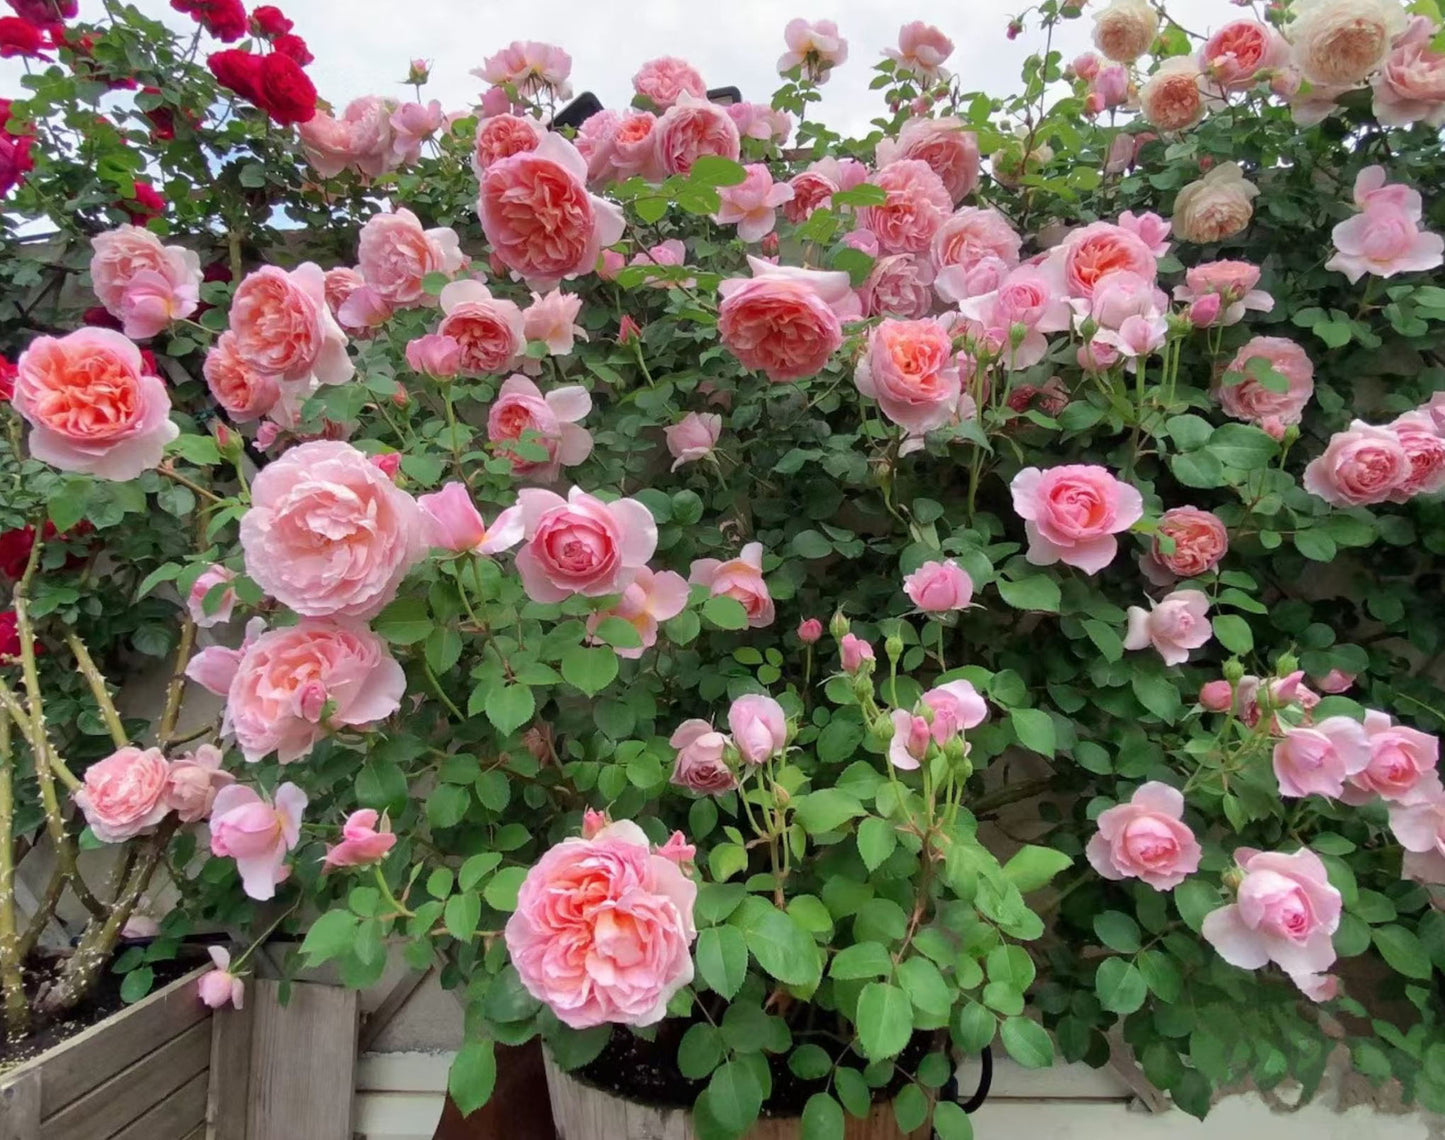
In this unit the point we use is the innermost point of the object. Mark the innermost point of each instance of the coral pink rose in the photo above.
(663, 81)
(950, 151)
(1125, 30)
(1419, 825)
(1090, 256)
(1235, 56)
(1361, 466)
(531, 67)
(521, 413)
(689, 129)
(817, 48)
(491, 331)
(922, 50)
(701, 764)
(939, 587)
(1173, 97)
(1200, 541)
(968, 238)
(144, 284)
(650, 598)
(1071, 514)
(784, 321)
(899, 285)
(1172, 626)
(328, 533)
(633, 150)
(452, 522)
(124, 794)
(362, 138)
(853, 651)
(812, 190)
(918, 202)
(243, 392)
(91, 405)
(295, 685)
(214, 667)
(538, 216)
(1410, 87)
(193, 781)
(362, 842)
(1216, 207)
(1317, 761)
(1403, 764)
(435, 355)
(752, 205)
(1146, 839)
(553, 321)
(759, 727)
(1425, 447)
(396, 254)
(739, 578)
(340, 282)
(761, 122)
(1384, 240)
(1340, 42)
(1233, 282)
(284, 328)
(693, 437)
(911, 370)
(219, 987)
(581, 545)
(502, 136)
(1249, 399)
(221, 606)
(257, 835)
(603, 928)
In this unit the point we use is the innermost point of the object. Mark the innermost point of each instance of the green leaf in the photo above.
(1027, 1042)
(590, 670)
(330, 936)
(822, 1118)
(1315, 545)
(862, 960)
(573, 1048)
(725, 613)
(1197, 469)
(853, 1091)
(864, 194)
(722, 959)
(734, 1096)
(811, 544)
(477, 868)
(1120, 985)
(910, 1108)
(1161, 975)
(974, 1027)
(1105, 638)
(1195, 898)
(137, 984)
(473, 1076)
(699, 1051)
(1034, 729)
(1036, 592)
(926, 988)
(501, 891)
(404, 622)
(950, 1122)
(826, 810)
(1032, 867)
(619, 633)
(1242, 446)
(810, 1062)
(509, 707)
(1157, 693)
(461, 915)
(714, 170)
(884, 1021)
(1404, 952)
(782, 947)
(1234, 633)
(1117, 930)
(1188, 432)
(877, 839)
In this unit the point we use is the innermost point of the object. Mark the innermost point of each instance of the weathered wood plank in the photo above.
(136, 1090)
(229, 1098)
(303, 1063)
(173, 1118)
(20, 1106)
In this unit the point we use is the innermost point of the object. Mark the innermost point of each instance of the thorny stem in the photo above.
(17, 1011)
(96, 682)
(240, 959)
(177, 477)
(177, 685)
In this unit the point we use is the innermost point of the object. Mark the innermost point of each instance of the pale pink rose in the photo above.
(759, 727)
(973, 234)
(810, 631)
(854, 651)
(502, 136)
(1343, 41)
(1071, 514)
(817, 48)
(1403, 764)
(581, 545)
(911, 370)
(785, 321)
(1336, 681)
(1111, 86)
(689, 129)
(1121, 153)
(327, 533)
(816, 185)
(1215, 207)
(1146, 839)
(1091, 256)
(531, 67)
(1096, 357)
(538, 216)
(193, 781)
(91, 406)
(918, 202)
(243, 392)
(1200, 542)
(678, 850)
(553, 321)
(220, 610)
(650, 598)
(939, 587)
(216, 988)
(1173, 97)
(1384, 240)
(362, 842)
(761, 122)
(1172, 626)
(602, 929)
(1149, 228)
(363, 310)
(693, 437)
(753, 203)
(594, 142)
(257, 835)
(1419, 825)
(955, 706)
(411, 125)
(295, 685)
(700, 764)
(593, 821)
(1137, 336)
(666, 255)
(144, 284)
(521, 412)
(1361, 466)
(284, 328)
(865, 241)
(388, 463)
(740, 578)
(1236, 55)
(1086, 66)
(1125, 30)
(633, 150)
(362, 138)
(435, 355)
(1410, 86)
(950, 151)
(662, 81)
(899, 285)
(124, 794)
(1204, 311)
(1425, 447)
(452, 522)
(1117, 297)
(1285, 911)
(908, 747)
(1233, 282)
(214, 667)
(396, 254)
(922, 50)
(339, 284)
(1319, 760)
(490, 330)
(1216, 696)
(1250, 400)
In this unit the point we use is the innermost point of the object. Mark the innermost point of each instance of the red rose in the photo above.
(15, 551)
(147, 203)
(148, 358)
(269, 20)
(293, 47)
(45, 11)
(7, 380)
(9, 636)
(15, 161)
(224, 19)
(162, 119)
(237, 70)
(99, 317)
(20, 38)
(284, 91)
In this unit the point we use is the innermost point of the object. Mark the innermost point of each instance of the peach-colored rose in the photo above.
(1425, 448)
(784, 321)
(411, 125)
(453, 523)
(1340, 42)
(663, 81)
(700, 764)
(911, 370)
(340, 282)
(362, 138)
(899, 285)
(650, 598)
(1235, 57)
(1410, 87)
(521, 412)
(144, 284)
(124, 794)
(581, 545)
(1090, 256)
(1200, 541)
(491, 331)
(633, 150)
(1248, 399)
(1403, 764)
(296, 684)
(693, 437)
(91, 406)
(396, 254)
(950, 150)
(689, 129)
(219, 987)
(502, 136)
(1215, 207)
(328, 533)
(1071, 514)
(243, 392)
(740, 578)
(1172, 626)
(922, 50)
(968, 239)
(214, 667)
(918, 202)
(553, 321)
(362, 842)
(257, 835)
(1173, 98)
(939, 587)
(752, 205)
(284, 328)
(817, 48)
(193, 781)
(1359, 467)
(1125, 30)
(532, 67)
(1146, 839)
(1419, 825)
(220, 611)
(1318, 760)
(602, 929)
(759, 727)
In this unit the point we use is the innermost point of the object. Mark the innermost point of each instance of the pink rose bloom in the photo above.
(665, 255)
(912, 735)
(362, 843)
(817, 48)
(1200, 542)
(529, 66)
(1419, 825)
(689, 129)
(918, 202)
(602, 929)
(759, 727)
(1090, 256)
(911, 370)
(243, 392)
(1384, 240)
(1343, 41)
(214, 667)
(1233, 282)
(339, 283)
(257, 835)
(553, 321)
(950, 151)
(411, 125)
(633, 152)
(1317, 761)
(663, 81)
(693, 437)
(1216, 207)
(955, 706)
(1425, 447)
(594, 142)
(854, 651)
(971, 237)
(1172, 99)
(1285, 912)
(1410, 87)
(124, 794)
(220, 610)
(1137, 336)
(1235, 55)
(899, 285)
(1149, 228)
(1118, 297)
(218, 987)
(939, 587)
(1121, 155)
(296, 684)
(700, 765)
(1173, 626)
(1025, 299)
(1336, 681)
(284, 328)
(1403, 764)
(753, 203)
(144, 284)
(1087, 65)
(362, 138)
(1252, 401)
(1071, 514)
(521, 413)
(1111, 86)
(435, 355)
(922, 50)
(91, 406)
(740, 578)
(761, 122)
(1216, 696)
(328, 533)
(581, 545)
(193, 781)
(538, 216)
(649, 599)
(364, 309)
(865, 241)
(451, 522)
(1146, 839)
(1361, 466)
(396, 254)
(810, 631)
(814, 187)
(501, 136)
(491, 331)
(785, 321)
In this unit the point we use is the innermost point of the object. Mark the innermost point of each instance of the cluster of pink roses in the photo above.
(1385, 237)
(1391, 463)
(706, 760)
(372, 135)
(133, 789)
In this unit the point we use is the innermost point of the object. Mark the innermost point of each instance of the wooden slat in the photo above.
(175, 1117)
(303, 1063)
(99, 1113)
(229, 1098)
(20, 1106)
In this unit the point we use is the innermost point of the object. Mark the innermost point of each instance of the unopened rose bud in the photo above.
(1232, 878)
(893, 646)
(1206, 163)
(1093, 103)
(1335, 681)
(839, 626)
(770, 244)
(1015, 29)
(1233, 670)
(400, 397)
(780, 794)
(1204, 311)
(1287, 664)
(1273, 426)
(882, 730)
(1216, 696)
(1017, 333)
(419, 72)
(1291, 434)
(389, 463)
(627, 329)
(228, 442)
(810, 631)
